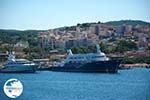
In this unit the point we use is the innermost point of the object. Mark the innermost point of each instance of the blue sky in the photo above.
(48, 14)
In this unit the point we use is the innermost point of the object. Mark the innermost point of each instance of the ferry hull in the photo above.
(110, 66)
(19, 69)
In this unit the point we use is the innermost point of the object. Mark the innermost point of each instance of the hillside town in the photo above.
(125, 40)
(86, 34)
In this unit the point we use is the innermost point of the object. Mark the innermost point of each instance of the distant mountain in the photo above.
(127, 22)
(82, 25)
(19, 31)
(112, 23)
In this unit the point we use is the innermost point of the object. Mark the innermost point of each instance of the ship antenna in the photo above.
(13, 52)
(98, 48)
(7, 52)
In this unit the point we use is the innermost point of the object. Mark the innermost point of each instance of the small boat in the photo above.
(13, 65)
(90, 62)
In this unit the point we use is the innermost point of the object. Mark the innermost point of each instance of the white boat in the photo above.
(90, 62)
(13, 65)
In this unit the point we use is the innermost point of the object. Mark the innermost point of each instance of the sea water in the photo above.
(133, 84)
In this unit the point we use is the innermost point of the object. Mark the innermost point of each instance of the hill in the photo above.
(127, 22)
(12, 36)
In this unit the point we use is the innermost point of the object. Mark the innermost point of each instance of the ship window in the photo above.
(97, 56)
(70, 61)
(101, 56)
(71, 58)
(81, 57)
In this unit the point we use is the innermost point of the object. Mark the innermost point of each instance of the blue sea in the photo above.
(133, 84)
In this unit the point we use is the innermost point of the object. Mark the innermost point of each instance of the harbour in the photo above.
(132, 84)
(74, 50)
(90, 62)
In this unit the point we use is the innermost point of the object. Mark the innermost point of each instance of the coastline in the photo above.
(121, 67)
(136, 65)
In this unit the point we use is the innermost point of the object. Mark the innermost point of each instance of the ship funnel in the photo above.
(98, 48)
(70, 52)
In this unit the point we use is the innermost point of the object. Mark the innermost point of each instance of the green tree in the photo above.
(26, 50)
(126, 45)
